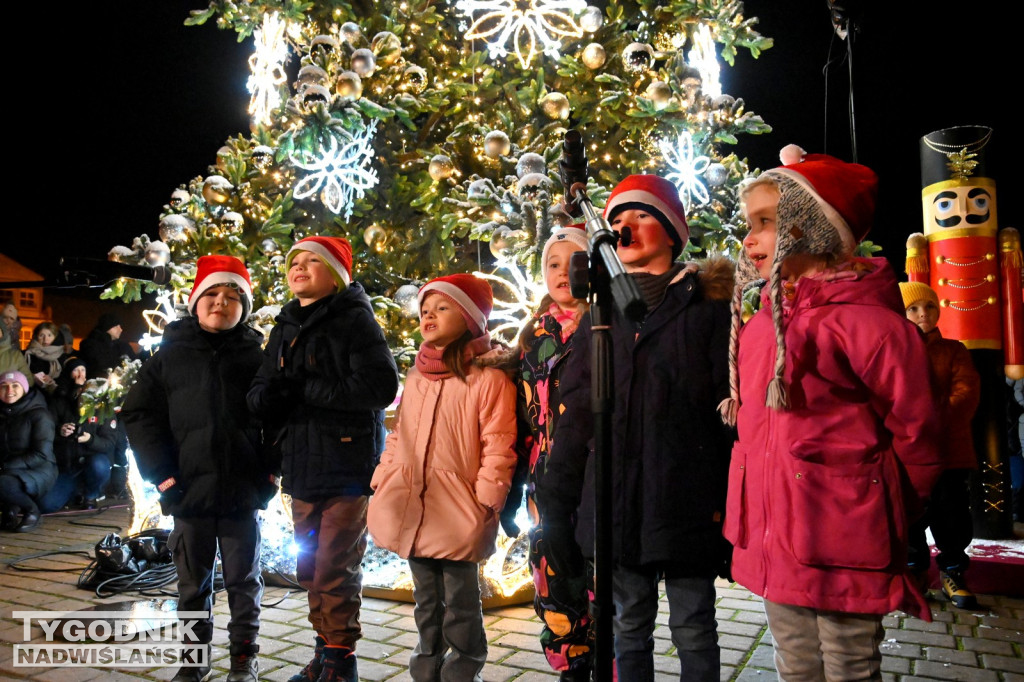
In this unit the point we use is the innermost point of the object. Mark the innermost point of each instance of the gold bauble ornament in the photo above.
(660, 93)
(374, 236)
(555, 106)
(414, 79)
(594, 56)
(348, 86)
(217, 189)
(441, 167)
(591, 19)
(387, 47)
(637, 57)
(496, 143)
(350, 31)
(364, 62)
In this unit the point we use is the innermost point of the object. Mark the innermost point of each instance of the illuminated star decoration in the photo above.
(158, 318)
(341, 171)
(686, 169)
(267, 67)
(544, 21)
(704, 58)
(514, 312)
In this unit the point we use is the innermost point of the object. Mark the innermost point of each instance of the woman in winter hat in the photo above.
(27, 465)
(827, 375)
(445, 473)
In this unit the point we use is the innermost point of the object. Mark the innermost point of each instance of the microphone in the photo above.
(573, 170)
(626, 235)
(95, 272)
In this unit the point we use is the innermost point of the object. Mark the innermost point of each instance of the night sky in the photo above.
(141, 103)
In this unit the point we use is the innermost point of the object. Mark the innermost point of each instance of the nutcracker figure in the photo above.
(975, 268)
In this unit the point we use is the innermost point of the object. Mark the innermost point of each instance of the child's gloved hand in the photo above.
(171, 495)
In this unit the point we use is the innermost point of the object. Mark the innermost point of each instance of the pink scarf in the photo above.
(431, 365)
(568, 320)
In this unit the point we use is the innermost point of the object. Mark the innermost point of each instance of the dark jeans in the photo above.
(90, 479)
(194, 543)
(450, 621)
(949, 516)
(13, 495)
(691, 621)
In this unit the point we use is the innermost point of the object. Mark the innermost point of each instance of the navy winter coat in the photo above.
(26, 443)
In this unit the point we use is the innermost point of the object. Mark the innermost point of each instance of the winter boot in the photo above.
(577, 674)
(245, 664)
(955, 589)
(339, 665)
(311, 673)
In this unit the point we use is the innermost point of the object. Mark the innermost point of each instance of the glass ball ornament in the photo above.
(723, 102)
(179, 198)
(277, 260)
(310, 74)
(530, 162)
(496, 143)
(531, 184)
(501, 245)
(478, 191)
(716, 174)
(414, 79)
(323, 45)
(660, 93)
(364, 62)
(270, 247)
(387, 48)
(157, 253)
(407, 298)
(349, 85)
(261, 156)
(591, 19)
(315, 95)
(374, 236)
(350, 31)
(176, 228)
(217, 189)
(441, 167)
(232, 221)
(121, 254)
(637, 57)
(594, 56)
(555, 106)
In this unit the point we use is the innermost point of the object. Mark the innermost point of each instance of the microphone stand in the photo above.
(608, 283)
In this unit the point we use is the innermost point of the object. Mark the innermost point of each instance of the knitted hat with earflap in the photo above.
(826, 207)
(213, 271)
(335, 252)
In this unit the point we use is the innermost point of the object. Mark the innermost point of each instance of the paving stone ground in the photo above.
(984, 645)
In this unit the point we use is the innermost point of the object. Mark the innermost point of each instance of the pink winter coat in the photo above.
(819, 493)
(446, 468)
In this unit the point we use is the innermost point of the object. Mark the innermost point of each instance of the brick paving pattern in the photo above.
(985, 645)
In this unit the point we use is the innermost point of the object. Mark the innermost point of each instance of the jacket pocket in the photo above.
(735, 527)
(839, 514)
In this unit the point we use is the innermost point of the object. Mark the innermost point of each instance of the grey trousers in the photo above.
(450, 621)
(812, 645)
(193, 543)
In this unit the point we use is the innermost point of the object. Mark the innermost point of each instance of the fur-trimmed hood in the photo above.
(714, 274)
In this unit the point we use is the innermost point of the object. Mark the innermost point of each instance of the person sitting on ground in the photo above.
(27, 466)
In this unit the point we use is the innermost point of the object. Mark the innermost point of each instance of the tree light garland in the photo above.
(703, 57)
(544, 21)
(340, 171)
(267, 67)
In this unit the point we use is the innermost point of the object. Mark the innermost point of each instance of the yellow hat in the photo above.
(916, 291)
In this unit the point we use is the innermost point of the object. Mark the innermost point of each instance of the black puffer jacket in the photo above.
(342, 376)
(101, 353)
(26, 443)
(187, 417)
(103, 436)
(670, 452)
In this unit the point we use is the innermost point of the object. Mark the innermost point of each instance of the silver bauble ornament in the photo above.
(407, 298)
(217, 189)
(323, 44)
(157, 253)
(262, 157)
(441, 167)
(350, 31)
(270, 247)
(232, 221)
(315, 95)
(374, 235)
(594, 56)
(660, 93)
(530, 163)
(414, 79)
(591, 19)
(348, 86)
(532, 183)
(277, 260)
(387, 47)
(500, 242)
(176, 228)
(637, 57)
(363, 62)
(496, 143)
(179, 198)
(716, 174)
(555, 106)
(310, 74)
(478, 191)
(121, 254)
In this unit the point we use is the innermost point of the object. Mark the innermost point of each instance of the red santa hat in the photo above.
(336, 252)
(660, 198)
(471, 294)
(213, 271)
(574, 234)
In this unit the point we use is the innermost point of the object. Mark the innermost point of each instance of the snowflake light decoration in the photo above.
(686, 169)
(704, 58)
(267, 67)
(524, 296)
(340, 170)
(526, 22)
